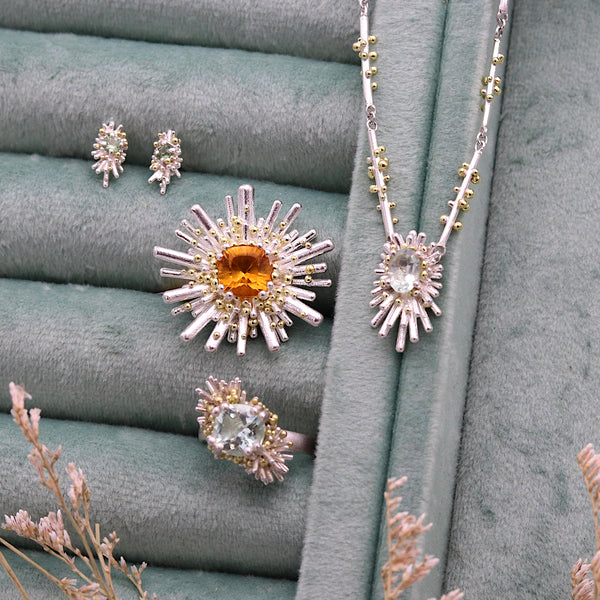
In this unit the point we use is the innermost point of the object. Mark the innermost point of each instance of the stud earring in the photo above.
(109, 151)
(166, 159)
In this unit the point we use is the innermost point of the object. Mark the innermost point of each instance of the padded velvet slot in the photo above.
(59, 224)
(297, 27)
(115, 356)
(433, 380)
(407, 407)
(280, 118)
(167, 583)
(171, 502)
(523, 515)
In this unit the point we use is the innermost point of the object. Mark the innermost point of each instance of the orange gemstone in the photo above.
(244, 270)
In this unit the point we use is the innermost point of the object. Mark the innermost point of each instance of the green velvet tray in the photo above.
(269, 93)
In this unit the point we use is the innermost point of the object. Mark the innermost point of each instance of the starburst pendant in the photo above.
(408, 283)
(243, 431)
(246, 275)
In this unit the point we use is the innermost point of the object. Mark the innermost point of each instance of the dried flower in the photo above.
(405, 565)
(91, 558)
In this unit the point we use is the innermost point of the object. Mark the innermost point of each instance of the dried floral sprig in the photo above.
(585, 576)
(93, 564)
(406, 564)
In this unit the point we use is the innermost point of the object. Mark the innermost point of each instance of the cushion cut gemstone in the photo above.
(113, 144)
(404, 270)
(244, 270)
(237, 428)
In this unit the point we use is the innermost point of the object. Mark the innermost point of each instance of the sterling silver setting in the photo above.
(404, 296)
(166, 159)
(255, 441)
(269, 310)
(109, 151)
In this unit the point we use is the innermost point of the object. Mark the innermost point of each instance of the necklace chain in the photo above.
(378, 163)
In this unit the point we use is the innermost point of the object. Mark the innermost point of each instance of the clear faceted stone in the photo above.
(404, 270)
(163, 152)
(237, 428)
(113, 144)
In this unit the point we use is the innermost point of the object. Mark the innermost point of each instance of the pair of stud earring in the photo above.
(110, 150)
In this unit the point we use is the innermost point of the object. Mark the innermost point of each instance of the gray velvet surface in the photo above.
(174, 584)
(115, 356)
(170, 501)
(406, 414)
(522, 516)
(239, 113)
(58, 224)
(297, 27)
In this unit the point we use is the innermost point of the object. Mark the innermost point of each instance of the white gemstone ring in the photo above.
(246, 431)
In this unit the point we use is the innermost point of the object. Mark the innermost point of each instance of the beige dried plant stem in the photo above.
(585, 576)
(405, 565)
(13, 577)
(50, 533)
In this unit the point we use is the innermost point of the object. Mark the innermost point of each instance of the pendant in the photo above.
(408, 282)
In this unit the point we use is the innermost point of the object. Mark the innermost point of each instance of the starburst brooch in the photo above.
(245, 274)
(244, 431)
(408, 283)
(166, 159)
(109, 151)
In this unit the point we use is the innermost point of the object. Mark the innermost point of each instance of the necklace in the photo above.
(410, 271)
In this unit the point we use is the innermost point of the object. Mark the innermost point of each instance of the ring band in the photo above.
(246, 431)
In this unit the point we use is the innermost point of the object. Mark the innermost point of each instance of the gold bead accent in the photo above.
(498, 60)
(368, 74)
(456, 189)
(444, 219)
(155, 144)
(489, 98)
(373, 189)
(373, 55)
(464, 205)
(362, 42)
(393, 205)
(379, 150)
(383, 164)
(356, 47)
(384, 189)
(371, 174)
(483, 92)
(369, 160)
(469, 193)
(363, 55)
(497, 80)
(374, 70)
(372, 39)
(395, 220)
(485, 79)
(497, 90)
(424, 274)
(374, 85)
(457, 226)
(475, 177)
(462, 172)
(386, 178)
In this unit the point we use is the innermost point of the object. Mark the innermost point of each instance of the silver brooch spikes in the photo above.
(244, 274)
